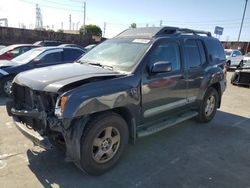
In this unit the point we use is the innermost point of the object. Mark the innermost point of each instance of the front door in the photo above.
(163, 92)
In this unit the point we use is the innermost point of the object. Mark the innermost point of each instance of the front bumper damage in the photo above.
(70, 129)
(32, 135)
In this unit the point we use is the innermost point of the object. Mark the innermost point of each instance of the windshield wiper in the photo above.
(103, 66)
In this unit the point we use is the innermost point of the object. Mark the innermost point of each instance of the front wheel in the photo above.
(6, 85)
(208, 105)
(103, 142)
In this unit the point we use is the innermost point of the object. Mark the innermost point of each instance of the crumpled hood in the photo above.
(7, 63)
(52, 78)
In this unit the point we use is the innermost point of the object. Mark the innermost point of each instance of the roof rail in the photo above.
(176, 30)
(149, 32)
(195, 32)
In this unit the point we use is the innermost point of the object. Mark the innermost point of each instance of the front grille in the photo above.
(26, 98)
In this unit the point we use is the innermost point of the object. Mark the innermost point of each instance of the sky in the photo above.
(118, 15)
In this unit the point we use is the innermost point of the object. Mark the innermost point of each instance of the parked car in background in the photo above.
(234, 58)
(15, 50)
(89, 47)
(48, 43)
(241, 76)
(35, 58)
(246, 58)
(72, 45)
(2, 46)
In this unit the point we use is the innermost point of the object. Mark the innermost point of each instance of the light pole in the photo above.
(242, 20)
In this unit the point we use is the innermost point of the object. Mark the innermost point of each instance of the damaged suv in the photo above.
(136, 84)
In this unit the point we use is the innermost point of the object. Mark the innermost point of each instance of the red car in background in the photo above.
(15, 50)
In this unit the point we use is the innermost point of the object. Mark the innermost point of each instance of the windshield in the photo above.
(28, 56)
(120, 54)
(228, 53)
(6, 49)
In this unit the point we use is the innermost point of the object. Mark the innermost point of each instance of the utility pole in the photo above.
(104, 28)
(70, 22)
(242, 20)
(84, 14)
(61, 25)
(160, 23)
(39, 20)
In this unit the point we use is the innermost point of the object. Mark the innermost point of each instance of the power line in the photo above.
(49, 6)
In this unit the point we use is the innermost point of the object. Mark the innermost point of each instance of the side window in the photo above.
(16, 52)
(24, 49)
(54, 57)
(234, 53)
(71, 55)
(215, 49)
(192, 52)
(238, 53)
(169, 52)
(202, 52)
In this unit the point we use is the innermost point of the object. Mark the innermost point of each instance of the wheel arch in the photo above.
(126, 114)
(217, 87)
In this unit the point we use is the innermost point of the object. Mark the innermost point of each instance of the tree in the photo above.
(133, 25)
(60, 30)
(91, 29)
(50, 30)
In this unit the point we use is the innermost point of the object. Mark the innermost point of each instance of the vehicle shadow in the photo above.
(190, 154)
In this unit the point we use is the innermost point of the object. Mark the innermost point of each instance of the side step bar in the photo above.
(165, 124)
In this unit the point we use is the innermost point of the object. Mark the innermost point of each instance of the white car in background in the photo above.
(234, 57)
(246, 58)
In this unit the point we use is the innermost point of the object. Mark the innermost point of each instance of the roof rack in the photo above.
(149, 32)
(176, 30)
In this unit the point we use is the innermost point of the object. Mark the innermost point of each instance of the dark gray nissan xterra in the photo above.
(138, 83)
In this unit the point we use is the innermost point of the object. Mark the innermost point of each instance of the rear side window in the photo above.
(193, 57)
(71, 54)
(215, 49)
(55, 57)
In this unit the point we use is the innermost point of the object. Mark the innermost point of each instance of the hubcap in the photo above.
(7, 87)
(106, 144)
(210, 106)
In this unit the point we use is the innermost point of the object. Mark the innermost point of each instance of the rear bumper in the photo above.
(32, 135)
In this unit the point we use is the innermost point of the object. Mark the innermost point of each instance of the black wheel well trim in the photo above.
(126, 115)
(217, 87)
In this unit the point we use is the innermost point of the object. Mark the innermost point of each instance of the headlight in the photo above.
(60, 106)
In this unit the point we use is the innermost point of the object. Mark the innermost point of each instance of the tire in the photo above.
(103, 142)
(5, 86)
(207, 113)
(240, 64)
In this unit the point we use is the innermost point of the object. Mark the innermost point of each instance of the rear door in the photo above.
(195, 63)
(70, 55)
(51, 57)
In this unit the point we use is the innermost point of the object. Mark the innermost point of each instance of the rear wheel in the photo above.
(208, 106)
(103, 142)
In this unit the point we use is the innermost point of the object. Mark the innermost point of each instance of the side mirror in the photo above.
(233, 55)
(37, 61)
(161, 66)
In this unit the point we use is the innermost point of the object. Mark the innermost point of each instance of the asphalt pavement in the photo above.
(189, 155)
